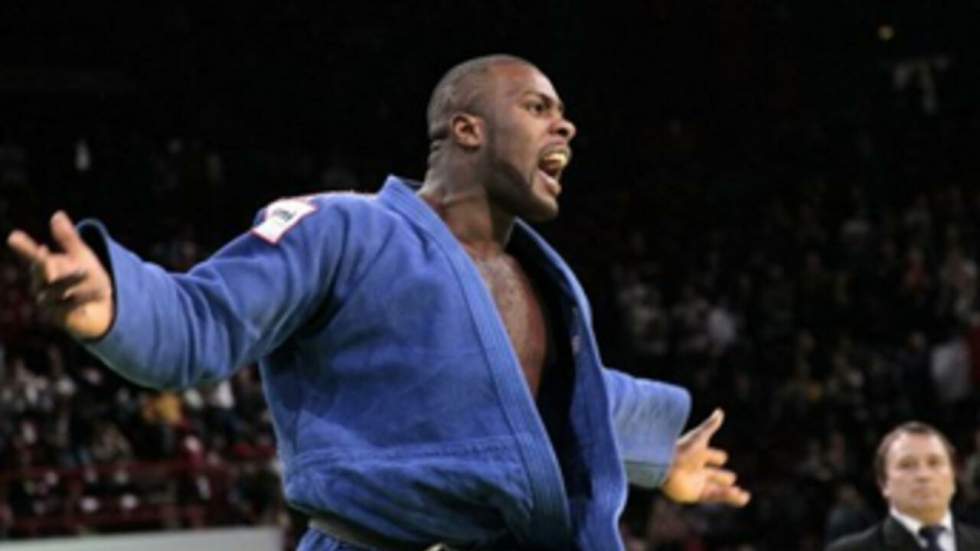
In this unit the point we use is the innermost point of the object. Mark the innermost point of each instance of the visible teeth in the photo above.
(557, 158)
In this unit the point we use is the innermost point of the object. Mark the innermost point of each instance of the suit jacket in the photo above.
(890, 535)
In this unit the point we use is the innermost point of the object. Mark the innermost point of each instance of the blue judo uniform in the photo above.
(397, 398)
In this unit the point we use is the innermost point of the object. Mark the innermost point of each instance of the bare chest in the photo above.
(520, 308)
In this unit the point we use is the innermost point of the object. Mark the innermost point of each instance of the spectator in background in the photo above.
(958, 285)
(163, 415)
(951, 369)
(915, 473)
(721, 328)
(109, 445)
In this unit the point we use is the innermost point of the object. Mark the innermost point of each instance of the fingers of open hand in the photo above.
(720, 487)
(69, 288)
(701, 434)
(727, 494)
(700, 458)
(23, 245)
(60, 286)
(714, 457)
(720, 477)
(40, 269)
(710, 426)
(50, 268)
(69, 285)
(64, 233)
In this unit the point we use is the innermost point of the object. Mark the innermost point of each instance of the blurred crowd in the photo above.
(816, 340)
(82, 449)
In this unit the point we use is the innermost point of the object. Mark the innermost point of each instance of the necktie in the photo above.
(931, 535)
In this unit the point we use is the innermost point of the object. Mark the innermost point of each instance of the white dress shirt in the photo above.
(946, 540)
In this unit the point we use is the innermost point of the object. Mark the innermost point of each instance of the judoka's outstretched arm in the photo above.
(170, 330)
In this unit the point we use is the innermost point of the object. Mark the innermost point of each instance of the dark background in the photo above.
(745, 84)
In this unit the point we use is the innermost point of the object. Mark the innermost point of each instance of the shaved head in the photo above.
(460, 89)
(498, 136)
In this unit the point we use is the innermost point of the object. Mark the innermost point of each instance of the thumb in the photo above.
(64, 233)
(708, 427)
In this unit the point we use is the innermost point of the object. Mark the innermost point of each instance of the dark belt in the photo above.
(351, 534)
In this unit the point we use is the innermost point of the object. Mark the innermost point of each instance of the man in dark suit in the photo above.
(914, 468)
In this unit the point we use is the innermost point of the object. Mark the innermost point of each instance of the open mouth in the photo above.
(554, 162)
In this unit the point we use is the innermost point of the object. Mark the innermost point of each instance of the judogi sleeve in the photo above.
(648, 417)
(179, 330)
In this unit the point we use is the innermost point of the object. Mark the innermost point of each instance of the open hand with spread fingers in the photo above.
(71, 287)
(696, 475)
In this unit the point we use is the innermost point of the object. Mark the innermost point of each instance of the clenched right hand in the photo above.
(71, 288)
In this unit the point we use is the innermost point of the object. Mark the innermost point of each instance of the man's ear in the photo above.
(466, 130)
(883, 488)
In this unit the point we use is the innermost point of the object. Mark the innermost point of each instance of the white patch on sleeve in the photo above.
(280, 217)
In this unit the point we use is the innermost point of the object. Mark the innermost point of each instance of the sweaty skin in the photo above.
(496, 166)
(520, 309)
